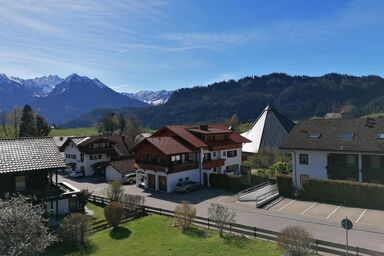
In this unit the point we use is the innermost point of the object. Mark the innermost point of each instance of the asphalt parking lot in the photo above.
(332, 213)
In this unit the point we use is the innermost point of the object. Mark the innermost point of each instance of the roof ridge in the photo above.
(28, 138)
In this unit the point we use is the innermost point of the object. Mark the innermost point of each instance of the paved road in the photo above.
(323, 230)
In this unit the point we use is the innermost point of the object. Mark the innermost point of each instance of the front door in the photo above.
(162, 183)
(205, 179)
(151, 181)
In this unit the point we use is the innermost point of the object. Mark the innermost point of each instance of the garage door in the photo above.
(151, 181)
(162, 183)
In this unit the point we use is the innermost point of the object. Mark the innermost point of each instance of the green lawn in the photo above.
(374, 115)
(74, 132)
(154, 236)
(244, 127)
(98, 211)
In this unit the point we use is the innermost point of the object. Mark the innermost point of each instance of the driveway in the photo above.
(305, 214)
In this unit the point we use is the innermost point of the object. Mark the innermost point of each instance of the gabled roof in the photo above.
(28, 154)
(329, 135)
(268, 131)
(123, 166)
(168, 145)
(182, 132)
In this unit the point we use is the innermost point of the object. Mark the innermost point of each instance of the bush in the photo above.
(133, 202)
(257, 179)
(82, 198)
(266, 158)
(184, 214)
(365, 195)
(296, 241)
(113, 213)
(74, 229)
(285, 185)
(235, 183)
(115, 191)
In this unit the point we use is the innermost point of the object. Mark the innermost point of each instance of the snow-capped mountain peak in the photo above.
(151, 97)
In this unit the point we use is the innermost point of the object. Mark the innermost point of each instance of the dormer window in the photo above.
(314, 135)
(347, 136)
(380, 136)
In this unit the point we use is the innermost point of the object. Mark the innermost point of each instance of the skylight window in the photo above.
(380, 136)
(347, 136)
(314, 135)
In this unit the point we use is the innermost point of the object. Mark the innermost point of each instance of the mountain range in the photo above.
(61, 100)
(151, 97)
(297, 97)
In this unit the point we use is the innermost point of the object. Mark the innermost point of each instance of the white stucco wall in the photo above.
(112, 174)
(173, 179)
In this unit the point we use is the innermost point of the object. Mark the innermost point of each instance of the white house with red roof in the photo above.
(178, 153)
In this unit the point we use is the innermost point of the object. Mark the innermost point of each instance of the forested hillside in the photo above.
(297, 97)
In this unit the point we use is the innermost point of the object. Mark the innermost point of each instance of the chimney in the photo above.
(204, 127)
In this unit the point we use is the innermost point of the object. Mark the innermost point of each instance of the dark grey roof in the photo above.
(27, 154)
(365, 132)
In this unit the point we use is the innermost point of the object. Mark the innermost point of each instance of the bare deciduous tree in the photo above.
(184, 214)
(23, 229)
(115, 191)
(296, 241)
(221, 215)
(133, 202)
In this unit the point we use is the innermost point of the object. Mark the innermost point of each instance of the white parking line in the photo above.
(286, 205)
(361, 215)
(307, 209)
(337, 208)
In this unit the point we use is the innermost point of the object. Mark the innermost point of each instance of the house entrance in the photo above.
(151, 181)
(205, 179)
(162, 183)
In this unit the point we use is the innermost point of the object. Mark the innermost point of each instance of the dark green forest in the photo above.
(297, 97)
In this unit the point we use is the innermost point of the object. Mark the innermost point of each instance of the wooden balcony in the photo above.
(213, 163)
(184, 167)
(169, 169)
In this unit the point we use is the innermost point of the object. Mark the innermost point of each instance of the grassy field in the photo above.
(245, 127)
(74, 132)
(98, 211)
(154, 236)
(375, 115)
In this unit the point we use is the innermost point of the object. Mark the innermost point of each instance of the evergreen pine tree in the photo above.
(27, 123)
(43, 128)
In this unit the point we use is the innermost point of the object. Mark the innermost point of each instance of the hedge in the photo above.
(234, 183)
(365, 195)
(285, 185)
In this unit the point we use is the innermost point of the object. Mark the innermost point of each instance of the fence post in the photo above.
(230, 228)
(208, 223)
(254, 231)
(357, 250)
(102, 200)
(160, 210)
(317, 249)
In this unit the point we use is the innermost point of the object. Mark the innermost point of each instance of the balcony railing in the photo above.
(213, 163)
(171, 168)
(184, 167)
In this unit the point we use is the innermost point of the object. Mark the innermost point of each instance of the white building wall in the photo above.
(63, 206)
(72, 149)
(173, 179)
(112, 174)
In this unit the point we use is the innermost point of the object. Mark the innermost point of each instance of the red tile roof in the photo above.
(168, 145)
(123, 166)
(181, 131)
(235, 137)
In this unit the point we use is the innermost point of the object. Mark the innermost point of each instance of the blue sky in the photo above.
(168, 44)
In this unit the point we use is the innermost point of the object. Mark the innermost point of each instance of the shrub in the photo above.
(234, 183)
(257, 179)
(344, 192)
(285, 185)
(22, 227)
(82, 198)
(266, 158)
(133, 202)
(296, 241)
(221, 215)
(184, 214)
(113, 213)
(115, 191)
(74, 229)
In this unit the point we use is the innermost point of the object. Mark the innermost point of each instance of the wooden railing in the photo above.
(209, 164)
(253, 231)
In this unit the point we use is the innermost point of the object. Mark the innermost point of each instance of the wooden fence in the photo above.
(318, 246)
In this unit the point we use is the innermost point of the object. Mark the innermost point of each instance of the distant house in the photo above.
(116, 170)
(187, 153)
(93, 154)
(267, 132)
(349, 149)
(29, 166)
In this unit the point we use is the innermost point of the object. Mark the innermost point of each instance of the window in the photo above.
(374, 162)
(314, 135)
(232, 168)
(224, 153)
(225, 137)
(67, 155)
(214, 154)
(303, 158)
(186, 178)
(207, 156)
(73, 156)
(232, 153)
(82, 157)
(176, 158)
(100, 156)
(20, 183)
(181, 180)
(351, 160)
(94, 157)
(347, 136)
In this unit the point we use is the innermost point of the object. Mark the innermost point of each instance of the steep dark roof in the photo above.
(27, 154)
(285, 122)
(329, 133)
